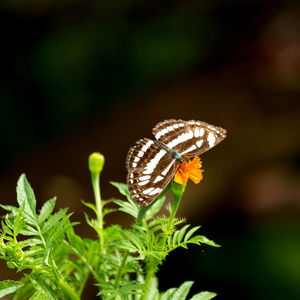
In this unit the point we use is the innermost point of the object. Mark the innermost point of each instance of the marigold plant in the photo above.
(56, 262)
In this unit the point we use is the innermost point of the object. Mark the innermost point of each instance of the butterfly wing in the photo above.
(150, 169)
(188, 138)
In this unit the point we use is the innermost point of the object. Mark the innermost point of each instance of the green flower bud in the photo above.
(96, 162)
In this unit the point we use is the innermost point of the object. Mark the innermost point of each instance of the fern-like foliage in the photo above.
(40, 250)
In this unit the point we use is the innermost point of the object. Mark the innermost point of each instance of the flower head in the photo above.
(190, 169)
(96, 162)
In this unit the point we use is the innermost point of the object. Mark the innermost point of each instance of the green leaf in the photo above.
(46, 210)
(122, 187)
(128, 207)
(43, 287)
(182, 291)
(132, 287)
(155, 208)
(10, 208)
(53, 220)
(19, 222)
(29, 230)
(9, 287)
(38, 296)
(182, 233)
(202, 239)
(153, 293)
(91, 222)
(190, 233)
(168, 294)
(63, 230)
(127, 245)
(90, 205)
(26, 194)
(107, 211)
(135, 239)
(204, 296)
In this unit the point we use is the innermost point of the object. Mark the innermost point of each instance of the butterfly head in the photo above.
(181, 160)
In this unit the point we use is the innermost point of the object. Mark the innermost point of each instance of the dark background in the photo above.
(84, 76)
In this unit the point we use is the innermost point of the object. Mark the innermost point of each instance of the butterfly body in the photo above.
(173, 153)
(151, 164)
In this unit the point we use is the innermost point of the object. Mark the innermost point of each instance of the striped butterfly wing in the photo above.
(150, 169)
(188, 138)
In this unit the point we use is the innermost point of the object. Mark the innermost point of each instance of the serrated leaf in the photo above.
(123, 188)
(175, 237)
(191, 232)
(182, 292)
(26, 194)
(127, 245)
(90, 222)
(107, 211)
(132, 287)
(60, 232)
(43, 288)
(128, 207)
(182, 233)
(32, 242)
(155, 208)
(19, 221)
(90, 205)
(10, 208)
(29, 230)
(35, 252)
(203, 240)
(9, 287)
(135, 239)
(38, 296)
(204, 296)
(168, 294)
(46, 210)
(54, 219)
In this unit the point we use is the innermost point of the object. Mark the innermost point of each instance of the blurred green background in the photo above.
(84, 76)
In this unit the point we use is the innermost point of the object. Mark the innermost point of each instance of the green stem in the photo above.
(178, 191)
(61, 282)
(84, 261)
(149, 275)
(68, 290)
(83, 283)
(120, 271)
(96, 188)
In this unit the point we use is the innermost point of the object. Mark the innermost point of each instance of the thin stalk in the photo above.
(178, 190)
(73, 295)
(96, 188)
(149, 275)
(97, 194)
(83, 283)
(85, 261)
(120, 271)
(61, 282)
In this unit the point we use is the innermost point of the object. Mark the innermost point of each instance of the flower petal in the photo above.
(181, 177)
(189, 169)
(195, 175)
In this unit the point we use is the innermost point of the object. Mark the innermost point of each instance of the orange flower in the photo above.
(190, 169)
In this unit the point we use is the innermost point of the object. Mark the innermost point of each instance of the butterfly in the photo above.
(152, 164)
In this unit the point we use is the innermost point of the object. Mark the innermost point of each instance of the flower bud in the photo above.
(96, 162)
